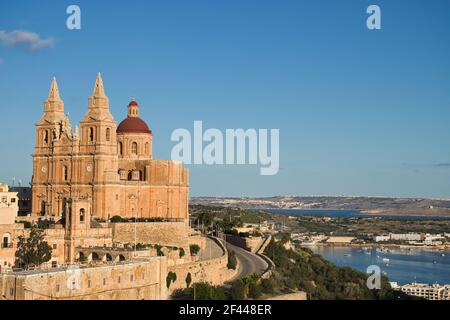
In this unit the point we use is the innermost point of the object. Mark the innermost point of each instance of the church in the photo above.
(108, 169)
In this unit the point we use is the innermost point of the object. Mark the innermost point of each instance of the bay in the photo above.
(404, 265)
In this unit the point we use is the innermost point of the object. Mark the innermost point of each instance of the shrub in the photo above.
(254, 291)
(205, 291)
(188, 280)
(238, 290)
(194, 248)
(171, 277)
(232, 261)
(26, 224)
(159, 251)
(116, 219)
(33, 250)
(267, 286)
(44, 224)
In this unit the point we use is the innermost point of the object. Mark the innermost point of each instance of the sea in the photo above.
(399, 265)
(350, 214)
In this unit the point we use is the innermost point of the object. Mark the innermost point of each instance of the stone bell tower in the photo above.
(77, 224)
(51, 159)
(98, 165)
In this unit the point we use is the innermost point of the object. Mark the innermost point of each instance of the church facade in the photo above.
(111, 168)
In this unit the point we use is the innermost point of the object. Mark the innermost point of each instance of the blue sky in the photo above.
(360, 112)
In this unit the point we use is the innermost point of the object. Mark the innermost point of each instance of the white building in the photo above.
(407, 236)
(9, 205)
(425, 291)
(382, 238)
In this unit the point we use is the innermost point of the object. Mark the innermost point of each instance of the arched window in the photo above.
(134, 148)
(91, 134)
(65, 173)
(46, 136)
(82, 215)
(146, 148)
(108, 134)
(120, 149)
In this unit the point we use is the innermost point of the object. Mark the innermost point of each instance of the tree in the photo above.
(116, 219)
(171, 277)
(182, 253)
(194, 248)
(232, 261)
(205, 291)
(188, 280)
(159, 251)
(33, 250)
(254, 291)
(267, 286)
(238, 290)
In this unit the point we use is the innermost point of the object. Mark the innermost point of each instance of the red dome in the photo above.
(133, 125)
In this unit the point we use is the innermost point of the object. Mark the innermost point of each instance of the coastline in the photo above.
(380, 246)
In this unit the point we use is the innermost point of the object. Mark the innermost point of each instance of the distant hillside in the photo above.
(370, 205)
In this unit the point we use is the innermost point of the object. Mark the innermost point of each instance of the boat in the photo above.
(385, 260)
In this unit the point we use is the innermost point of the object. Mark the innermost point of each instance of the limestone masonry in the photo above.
(81, 179)
(110, 166)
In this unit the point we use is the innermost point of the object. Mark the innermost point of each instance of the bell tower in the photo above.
(98, 164)
(98, 128)
(51, 160)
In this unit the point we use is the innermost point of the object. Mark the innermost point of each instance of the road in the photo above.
(249, 263)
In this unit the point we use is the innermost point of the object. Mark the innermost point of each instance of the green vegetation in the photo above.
(33, 251)
(116, 219)
(232, 261)
(171, 277)
(194, 249)
(205, 291)
(26, 224)
(254, 290)
(226, 217)
(44, 224)
(159, 252)
(238, 290)
(188, 280)
(320, 279)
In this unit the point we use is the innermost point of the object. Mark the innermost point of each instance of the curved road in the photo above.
(249, 263)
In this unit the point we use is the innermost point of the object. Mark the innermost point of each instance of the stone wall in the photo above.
(249, 244)
(214, 271)
(133, 280)
(173, 234)
(198, 240)
(7, 253)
